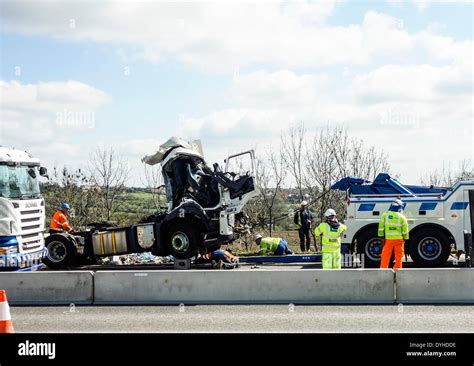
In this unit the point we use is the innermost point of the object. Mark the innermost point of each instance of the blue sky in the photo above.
(237, 79)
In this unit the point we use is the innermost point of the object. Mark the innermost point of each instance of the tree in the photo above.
(273, 174)
(316, 161)
(292, 152)
(448, 176)
(75, 188)
(154, 182)
(110, 173)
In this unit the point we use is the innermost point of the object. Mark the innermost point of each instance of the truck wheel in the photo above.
(183, 240)
(60, 251)
(370, 245)
(430, 247)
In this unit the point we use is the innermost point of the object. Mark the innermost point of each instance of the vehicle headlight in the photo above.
(9, 250)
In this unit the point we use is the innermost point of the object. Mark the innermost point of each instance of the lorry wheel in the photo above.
(60, 251)
(430, 247)
(370, 246)
(183, 240)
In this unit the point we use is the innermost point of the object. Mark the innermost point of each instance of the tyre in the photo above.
(183, 240)
(430, 247)
(370, 245)
(61, 251)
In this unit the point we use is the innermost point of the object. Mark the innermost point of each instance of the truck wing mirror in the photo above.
(43, 172)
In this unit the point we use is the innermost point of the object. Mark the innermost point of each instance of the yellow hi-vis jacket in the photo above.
(393, 226)
(331, 237)
(269, 245)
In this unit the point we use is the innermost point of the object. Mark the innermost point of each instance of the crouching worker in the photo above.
(222, 259)
(331, 232)
(272, 246)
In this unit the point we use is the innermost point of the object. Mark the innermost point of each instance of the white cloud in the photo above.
(421, 4)
(37, 116)
(216, 36)
(262, 89)
(401, 109)
(412, 83)
(402, 91)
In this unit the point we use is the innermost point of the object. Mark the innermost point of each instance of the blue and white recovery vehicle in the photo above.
(22, 210)
(437, 217)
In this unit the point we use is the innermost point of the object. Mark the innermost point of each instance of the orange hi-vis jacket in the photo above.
(60, 222)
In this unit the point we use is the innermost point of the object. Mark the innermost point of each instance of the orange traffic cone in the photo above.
(6, 325)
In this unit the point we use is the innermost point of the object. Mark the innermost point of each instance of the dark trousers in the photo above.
(304, 234)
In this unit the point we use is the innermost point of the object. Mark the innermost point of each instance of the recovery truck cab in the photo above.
(438, 217)
(204, 205)
(22, 210)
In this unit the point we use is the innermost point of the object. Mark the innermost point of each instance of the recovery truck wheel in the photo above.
(61, 251)
(183, 240)
(370, 246)
(430, 247)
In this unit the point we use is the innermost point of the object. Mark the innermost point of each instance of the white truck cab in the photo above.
(22, 210)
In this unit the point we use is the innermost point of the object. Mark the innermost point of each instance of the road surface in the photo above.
(241, 318)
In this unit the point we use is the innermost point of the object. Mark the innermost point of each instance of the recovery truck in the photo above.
(204, 206)
(438, 217)
(22, 211)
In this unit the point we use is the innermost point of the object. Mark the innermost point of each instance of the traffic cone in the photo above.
(6, 325)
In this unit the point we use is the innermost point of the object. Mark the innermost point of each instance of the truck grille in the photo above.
(31, 229)
(30, 212)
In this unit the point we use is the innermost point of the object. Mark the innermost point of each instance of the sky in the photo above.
(75, 75)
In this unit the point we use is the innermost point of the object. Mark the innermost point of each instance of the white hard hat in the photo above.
(397, 202)
(330, 212)
(258, 236)
(304, 203)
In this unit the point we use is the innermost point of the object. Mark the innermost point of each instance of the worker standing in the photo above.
(303, 218)
(275, 246)
(331, 232)
(60, 221)
(393, 229)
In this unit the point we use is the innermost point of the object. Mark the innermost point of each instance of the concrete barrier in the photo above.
(244, 287)
(48, 288)
(441, 285)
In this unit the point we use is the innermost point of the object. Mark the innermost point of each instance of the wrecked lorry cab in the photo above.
(203, 204)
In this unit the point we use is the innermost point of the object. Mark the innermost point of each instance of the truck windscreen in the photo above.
(19, 181)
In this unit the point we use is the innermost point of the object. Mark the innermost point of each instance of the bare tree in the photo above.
(321, 165)
(271, 186)
(75, 188)
(292, 147)
(256, 209)
(154, 181)
(326, 156)
(109, 172)
(448, 176)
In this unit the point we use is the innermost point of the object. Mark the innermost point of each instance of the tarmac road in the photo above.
(244, 318)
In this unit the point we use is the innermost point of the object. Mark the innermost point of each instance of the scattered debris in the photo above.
(138, 258)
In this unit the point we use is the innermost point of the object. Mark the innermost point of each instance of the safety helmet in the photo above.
(65, 205)
(330, 212)
(304, 203)
(398, 202)
(258, 236)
